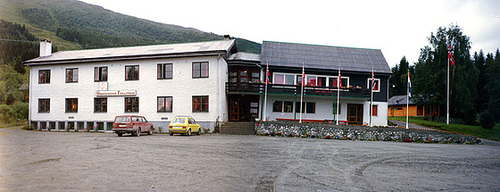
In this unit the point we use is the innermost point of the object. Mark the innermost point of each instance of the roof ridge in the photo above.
(321, 45)
(136, 46)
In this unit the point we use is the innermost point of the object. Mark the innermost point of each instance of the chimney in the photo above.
(227, 37)
(45, 48)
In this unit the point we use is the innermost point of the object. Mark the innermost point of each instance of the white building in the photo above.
(88, 88)
(210, 81)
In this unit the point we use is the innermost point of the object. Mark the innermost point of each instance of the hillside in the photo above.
(72, 24)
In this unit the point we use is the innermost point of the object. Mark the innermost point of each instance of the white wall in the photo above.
(182, 87)
(324, 109)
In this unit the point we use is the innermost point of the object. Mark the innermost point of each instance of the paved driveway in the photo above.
(69, 161)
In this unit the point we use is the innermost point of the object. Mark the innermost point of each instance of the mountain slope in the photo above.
(83, 25)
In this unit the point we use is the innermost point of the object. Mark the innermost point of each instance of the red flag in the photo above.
(450, 56)
(267, 74)
(303, 76)
(339, 80)
(373, 80)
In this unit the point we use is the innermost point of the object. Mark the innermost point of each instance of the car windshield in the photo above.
(179, 121)
(122, 119)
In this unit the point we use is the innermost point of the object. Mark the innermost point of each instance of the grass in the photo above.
(474, 130)
(14, 124)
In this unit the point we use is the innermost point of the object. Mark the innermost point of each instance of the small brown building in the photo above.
(397, 107)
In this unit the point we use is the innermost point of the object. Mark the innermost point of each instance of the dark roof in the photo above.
(138, 52)
(399, 100)
(324, 57)
(242, 56)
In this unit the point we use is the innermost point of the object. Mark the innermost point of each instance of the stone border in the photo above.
(362, 133)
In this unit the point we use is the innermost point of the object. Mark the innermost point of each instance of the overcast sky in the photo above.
(398, 28)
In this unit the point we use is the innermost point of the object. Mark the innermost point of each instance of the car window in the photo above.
(135, 119)
(122, 119)
(144, 119)
(179, 121)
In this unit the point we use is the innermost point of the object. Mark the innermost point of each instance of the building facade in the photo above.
(209, 81)
(86, 89)
(321, 64)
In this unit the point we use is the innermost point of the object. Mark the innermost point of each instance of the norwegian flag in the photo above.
(373, 81)
(450, 56)
(339, 80)
(267, 74)
(303, 76)
(409, 85)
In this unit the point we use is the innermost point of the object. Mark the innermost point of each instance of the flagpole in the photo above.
(448, 89)
(371, 97)
(338, 97)
(302, 92)
(265, 92)
(407, 97)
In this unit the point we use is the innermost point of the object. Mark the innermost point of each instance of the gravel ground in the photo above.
(82, 161)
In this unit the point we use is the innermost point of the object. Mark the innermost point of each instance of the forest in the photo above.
(474, 79)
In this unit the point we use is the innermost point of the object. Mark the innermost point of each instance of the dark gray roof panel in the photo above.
(323, 57)
(245, 56)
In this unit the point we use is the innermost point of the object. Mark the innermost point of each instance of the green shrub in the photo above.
(20, 110)
(486, 120)
(6, 113)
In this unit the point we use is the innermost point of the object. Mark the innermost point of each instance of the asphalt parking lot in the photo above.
(82, 161)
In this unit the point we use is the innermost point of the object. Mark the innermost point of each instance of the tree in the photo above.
(399, 79)
(430, 74)
(492, 84)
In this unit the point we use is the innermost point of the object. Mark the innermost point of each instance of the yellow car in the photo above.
(184, 125)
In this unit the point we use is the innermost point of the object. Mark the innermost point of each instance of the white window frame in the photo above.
(368, 84)
(284, 79)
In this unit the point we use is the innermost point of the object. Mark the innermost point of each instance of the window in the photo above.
(333, 81)
(44, 76)
(310, 107)
(71, 105)
(131, 104)
(335, 108)
(100, 74)
(297, 107)
(200, 69)
(313, 80)
(288, 106)
(200, 103)
(132, 72)
(165, 71)
(284, 79)
(164, 104)
(43, 105)
(310, 80)
(100, 105)
(307, 107)
(377, 85)
(374, 110)
(72, 75)
(277, 106)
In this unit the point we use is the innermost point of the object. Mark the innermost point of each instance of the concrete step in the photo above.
(238, 128)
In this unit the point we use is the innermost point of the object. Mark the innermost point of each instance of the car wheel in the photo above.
(138, 132)
(120, 134)
(171, 134)
(150, 132)
(199, 132)
(188, 132)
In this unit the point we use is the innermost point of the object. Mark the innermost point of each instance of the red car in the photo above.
(133, 124)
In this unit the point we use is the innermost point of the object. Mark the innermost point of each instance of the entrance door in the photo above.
(355, 113)
(234, 109)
